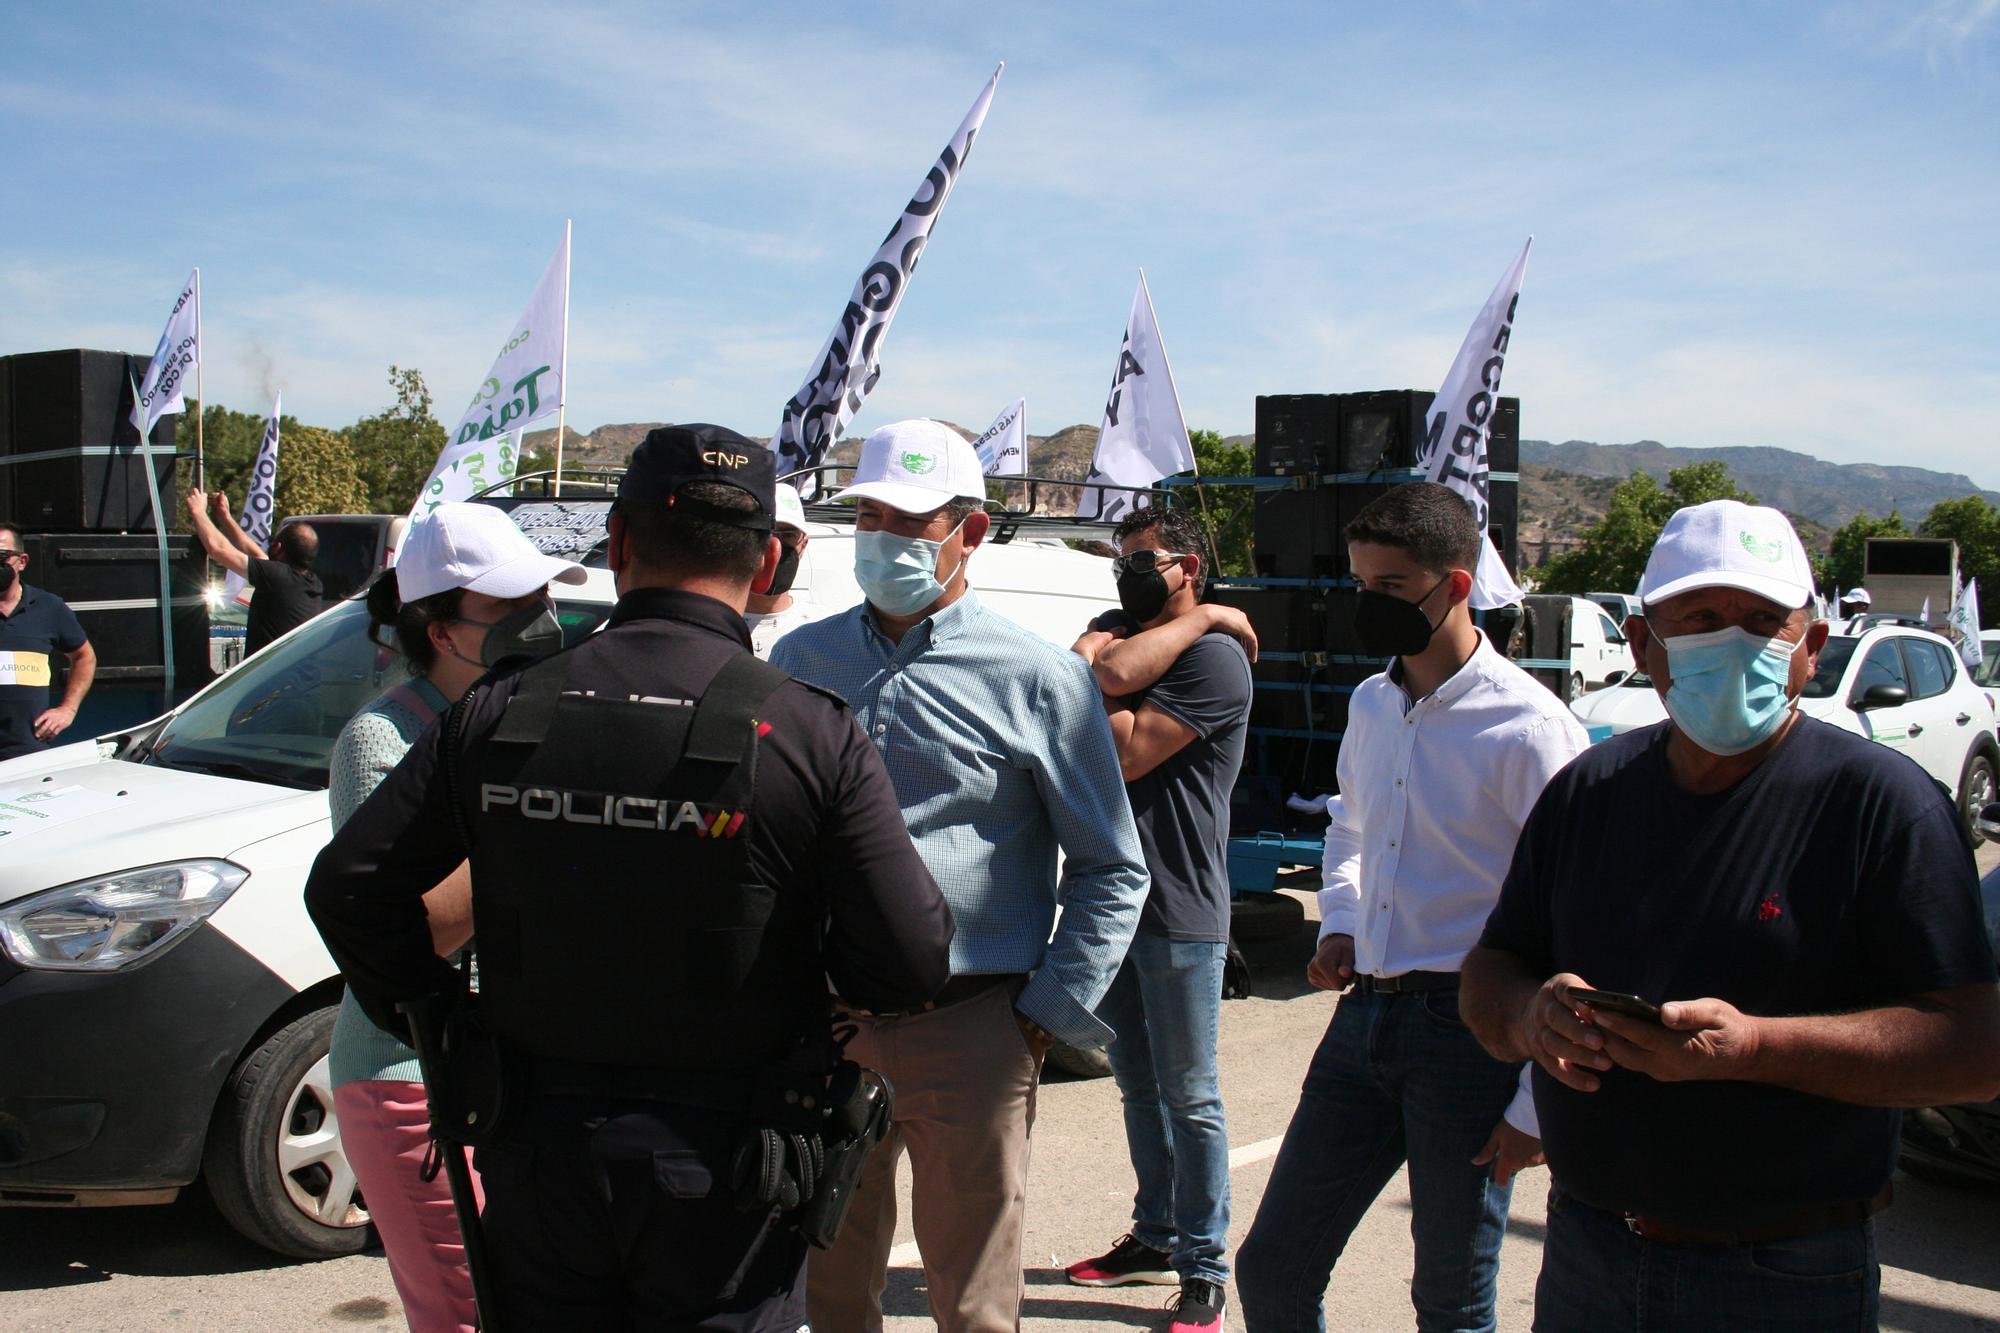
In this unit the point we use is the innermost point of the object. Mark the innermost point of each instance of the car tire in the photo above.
(1575, 687)
(1077, 1062)
(1258, 917)
(1977, 786)
(273, 1161)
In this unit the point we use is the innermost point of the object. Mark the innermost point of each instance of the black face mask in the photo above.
(788, 569)
(1388, 626)
(1143, 594)
(7, 574)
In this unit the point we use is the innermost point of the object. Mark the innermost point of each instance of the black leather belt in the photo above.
(956, 991)
(1405, 983)
(1805, 1222)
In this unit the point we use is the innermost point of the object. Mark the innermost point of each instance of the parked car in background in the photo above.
(1896, 684)
(1962, 1141)
(1619, 604)
(1987, 674)
(1598, 653)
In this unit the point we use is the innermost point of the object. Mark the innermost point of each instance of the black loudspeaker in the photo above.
(1296, 534)
(1381, 431)
(1503, 438)
(1545, 636)
(112, 582)
(1503, 521)
(1297, 434)
(67, 401)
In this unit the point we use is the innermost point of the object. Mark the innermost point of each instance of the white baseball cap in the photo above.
(1729, 544)
(477, 547)
(916, 467)
(791, 510)
(1857, 595)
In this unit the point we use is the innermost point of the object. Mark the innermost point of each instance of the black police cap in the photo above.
(671, 457)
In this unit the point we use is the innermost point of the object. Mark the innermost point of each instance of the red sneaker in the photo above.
(1129, 1260)
(1198, 1308)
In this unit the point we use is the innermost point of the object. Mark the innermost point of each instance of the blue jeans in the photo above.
(1165, 1005)
(1597, 1277)
(1396, 1078)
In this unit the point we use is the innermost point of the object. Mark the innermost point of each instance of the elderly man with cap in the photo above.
(777, 611)
(673, 846)
(1733, 943)
(1000, 753)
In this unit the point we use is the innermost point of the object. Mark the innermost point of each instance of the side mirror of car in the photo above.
(1881, 696)
(1614, 678)
(1988, 820)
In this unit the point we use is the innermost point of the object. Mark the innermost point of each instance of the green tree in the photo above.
(1845, 561)
(395, 450)
(1974, 524)
(1225, 511)
(317, 474)
(1611, 554)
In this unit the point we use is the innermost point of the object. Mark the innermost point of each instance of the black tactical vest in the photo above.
(619, 920)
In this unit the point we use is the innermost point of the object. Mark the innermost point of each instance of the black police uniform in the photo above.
(674, 847)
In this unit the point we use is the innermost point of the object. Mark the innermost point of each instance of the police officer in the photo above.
(673, 847)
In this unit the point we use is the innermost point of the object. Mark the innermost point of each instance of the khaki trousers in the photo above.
(965, 1082)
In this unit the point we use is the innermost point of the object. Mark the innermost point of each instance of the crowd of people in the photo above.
(1693, 970)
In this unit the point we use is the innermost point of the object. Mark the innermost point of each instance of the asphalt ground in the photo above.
(181, 1266)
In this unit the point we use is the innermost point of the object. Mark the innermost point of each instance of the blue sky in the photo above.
(1755, 223)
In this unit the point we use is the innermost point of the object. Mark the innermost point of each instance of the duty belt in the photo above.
(956, 991)
(1804, 1222)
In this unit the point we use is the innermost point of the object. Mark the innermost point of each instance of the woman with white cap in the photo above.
(469, 592)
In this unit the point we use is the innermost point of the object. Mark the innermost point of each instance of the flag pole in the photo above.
(201, 398)
(562, 403)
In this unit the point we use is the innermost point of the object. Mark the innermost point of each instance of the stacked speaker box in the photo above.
(112, 582)
(63, 402)
(1544, 636)
(1381, 431)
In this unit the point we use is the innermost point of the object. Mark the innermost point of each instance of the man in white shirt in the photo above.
(1444, 755)
(776, 612)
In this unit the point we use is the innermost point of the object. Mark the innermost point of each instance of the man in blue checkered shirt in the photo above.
(998, 747)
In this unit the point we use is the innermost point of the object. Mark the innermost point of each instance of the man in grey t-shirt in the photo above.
(1176, 680)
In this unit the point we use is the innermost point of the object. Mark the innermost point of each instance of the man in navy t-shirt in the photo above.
(1802, 905)
(34, 627)
(1176, 679)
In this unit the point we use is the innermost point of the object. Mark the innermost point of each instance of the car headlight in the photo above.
(114, 921)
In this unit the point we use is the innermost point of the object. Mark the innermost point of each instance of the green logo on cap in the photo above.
(1764, 548)
(920, 464)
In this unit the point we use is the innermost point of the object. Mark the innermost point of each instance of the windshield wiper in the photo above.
(219, 769)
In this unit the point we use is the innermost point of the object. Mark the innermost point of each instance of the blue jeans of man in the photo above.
(1396, 1078)
(1165, 1005)
(1597, 1277)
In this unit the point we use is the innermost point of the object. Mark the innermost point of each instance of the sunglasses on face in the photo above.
(1144, 562)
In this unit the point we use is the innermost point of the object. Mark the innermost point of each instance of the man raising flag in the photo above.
(849, 365)
(255, 526)
(1144, 437)
(1454, 448)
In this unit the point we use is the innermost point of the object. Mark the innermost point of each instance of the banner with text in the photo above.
(263, 497)
(525, 384)
(849, 365)
(1144, 436)
(1461, 417)
(176, 357)
(1003, 449)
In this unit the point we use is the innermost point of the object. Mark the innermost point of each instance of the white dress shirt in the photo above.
(1433, 793)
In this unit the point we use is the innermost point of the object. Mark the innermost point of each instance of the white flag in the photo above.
(178, 353)
(848, 367)
(525, 384)
(1003, 449)
(1454, 447)
(1924, 616)
(262, 499)
(1143, 437)
(1965, 620)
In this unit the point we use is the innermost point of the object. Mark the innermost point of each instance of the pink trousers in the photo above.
(385, 1125)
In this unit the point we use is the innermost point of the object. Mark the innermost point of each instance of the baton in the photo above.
(426, 1034)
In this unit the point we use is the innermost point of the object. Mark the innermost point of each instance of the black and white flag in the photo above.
(261, 501)
(1144, 436)
(1003, 449)
(178, 353)
(848, 367)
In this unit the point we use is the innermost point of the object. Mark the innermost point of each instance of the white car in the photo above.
(165, 1004)
(1598, 653)
(1896, 684)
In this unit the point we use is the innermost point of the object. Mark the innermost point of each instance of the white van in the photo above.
(1598, 652)
(165, 1004)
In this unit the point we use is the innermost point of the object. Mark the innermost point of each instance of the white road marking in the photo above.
(906, 1255)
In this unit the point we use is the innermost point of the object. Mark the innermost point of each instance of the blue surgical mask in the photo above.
(898, 575)
(1731, 690)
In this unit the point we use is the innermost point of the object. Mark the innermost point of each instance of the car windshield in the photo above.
(1832, 666)
(275, 718)
(1988, 670)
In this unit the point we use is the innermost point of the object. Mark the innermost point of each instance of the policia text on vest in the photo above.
(656, 984)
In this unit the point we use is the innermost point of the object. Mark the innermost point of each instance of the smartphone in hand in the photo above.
(1616, 1002)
